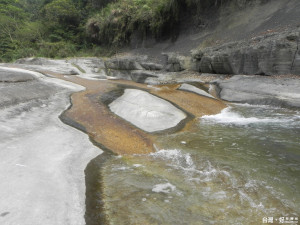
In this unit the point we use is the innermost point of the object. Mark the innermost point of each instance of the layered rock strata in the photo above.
(271, 54)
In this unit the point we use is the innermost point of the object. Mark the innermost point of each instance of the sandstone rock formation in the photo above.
(271, 54)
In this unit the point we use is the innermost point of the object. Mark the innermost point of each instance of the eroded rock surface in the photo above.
(146, 111)
(42, 160)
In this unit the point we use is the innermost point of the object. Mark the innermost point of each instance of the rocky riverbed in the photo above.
(42, 159)
(127, 106)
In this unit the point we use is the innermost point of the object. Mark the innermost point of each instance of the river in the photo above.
(241, 166)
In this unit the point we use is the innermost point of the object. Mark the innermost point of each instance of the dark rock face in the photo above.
(272, 54)
(260, 90)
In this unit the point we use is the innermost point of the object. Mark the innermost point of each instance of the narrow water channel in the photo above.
(236, 167)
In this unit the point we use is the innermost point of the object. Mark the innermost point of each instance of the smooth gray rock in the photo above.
(191, 88)
(146, 111)
(261, 90)
(14, 93)
(44, 64)
(14, 76)
(42, 159)
(271, 54)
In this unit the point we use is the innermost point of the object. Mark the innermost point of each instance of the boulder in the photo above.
(146, 111)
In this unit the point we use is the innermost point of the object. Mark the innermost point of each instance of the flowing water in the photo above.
(237, 167)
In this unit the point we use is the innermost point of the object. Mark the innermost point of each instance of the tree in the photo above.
(62, 11)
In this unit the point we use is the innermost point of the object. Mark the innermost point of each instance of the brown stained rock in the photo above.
(116, 134)
(102, 125)
(190, 102)
(107, 129)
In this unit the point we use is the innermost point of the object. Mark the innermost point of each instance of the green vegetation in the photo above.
(62, 28)
(115, 24)
(48, 28)
(119, 20)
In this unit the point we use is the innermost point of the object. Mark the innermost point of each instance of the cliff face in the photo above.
(270, 54)
(235, 37)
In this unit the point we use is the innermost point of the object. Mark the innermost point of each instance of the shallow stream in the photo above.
(236, 167)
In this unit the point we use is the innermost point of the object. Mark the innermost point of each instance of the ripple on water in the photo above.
(240, 179)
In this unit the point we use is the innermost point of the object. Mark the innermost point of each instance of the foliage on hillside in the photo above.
(116, 22)
(119, 20)
(49, 28)
(61, 28)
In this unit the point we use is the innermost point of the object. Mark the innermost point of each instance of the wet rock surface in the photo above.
(261, 90)
(129, 129)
